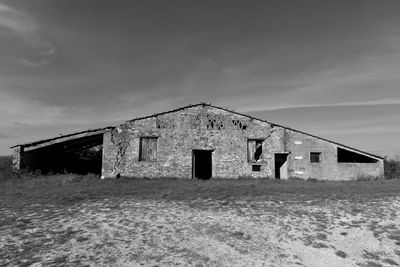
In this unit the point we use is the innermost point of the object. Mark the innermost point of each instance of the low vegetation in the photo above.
(70, 188)
(392, 168)
(5, 169)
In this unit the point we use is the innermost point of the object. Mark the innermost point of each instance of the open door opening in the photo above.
(202, 164)
(281, 167)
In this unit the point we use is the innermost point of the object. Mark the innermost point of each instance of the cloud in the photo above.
(14, 109)
(366, 82)
(20, 124)
(386, 101)
(16, 24)
(35, 64)
(8, 136)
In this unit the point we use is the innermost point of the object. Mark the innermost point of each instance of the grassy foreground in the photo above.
(70, 189)
(70, 220)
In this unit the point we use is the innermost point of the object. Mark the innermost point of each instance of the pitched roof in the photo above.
(191, 106)
(254, 118)
(87, 133)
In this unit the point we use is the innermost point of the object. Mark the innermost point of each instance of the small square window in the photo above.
(315, 157)
(256, 168)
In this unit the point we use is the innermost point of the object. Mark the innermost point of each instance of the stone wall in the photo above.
(17, 157)
(350, 171)
(300, 145)
(226, 133)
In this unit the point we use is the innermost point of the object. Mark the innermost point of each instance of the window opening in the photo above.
(347, 156)
(254, 150)
(165, 123)
(148, 149)
(256, 168)
(315, 157)
(239, 124)
(215, 122)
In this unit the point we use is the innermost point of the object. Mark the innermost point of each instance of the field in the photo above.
(67, 220)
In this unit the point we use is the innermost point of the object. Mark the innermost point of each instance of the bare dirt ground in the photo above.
(272, 230)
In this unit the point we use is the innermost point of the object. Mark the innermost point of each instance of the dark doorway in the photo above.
(202, 164)
(281, 169)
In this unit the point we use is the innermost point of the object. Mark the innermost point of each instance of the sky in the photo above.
(327, 67)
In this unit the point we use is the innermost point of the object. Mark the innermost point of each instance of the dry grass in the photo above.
(69, 188)
(70, 220)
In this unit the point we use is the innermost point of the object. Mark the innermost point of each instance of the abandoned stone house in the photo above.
(198, 141)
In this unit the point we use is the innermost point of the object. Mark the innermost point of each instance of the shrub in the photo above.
(6, 168)
(245, 177)
(295, 178)
(392, 168)
(365, 178)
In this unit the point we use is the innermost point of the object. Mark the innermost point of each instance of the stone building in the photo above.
(199, 141)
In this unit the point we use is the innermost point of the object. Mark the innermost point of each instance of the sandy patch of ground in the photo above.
(126, 231)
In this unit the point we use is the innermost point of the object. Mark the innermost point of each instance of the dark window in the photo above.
(315, 157)
(215, 122)
(165, 123)
(347, 156)
(239, 124)
(148, 149)
(254, 150)
(256, 168)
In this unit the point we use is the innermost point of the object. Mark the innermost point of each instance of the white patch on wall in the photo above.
(298, 142)
(298, 157)
(298, 172)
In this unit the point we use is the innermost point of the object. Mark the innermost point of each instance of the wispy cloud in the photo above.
(7, 136)
(16, 24)
(13, 110)
(367, 82)
(386, 101)
(19, 125)
(35, 64)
